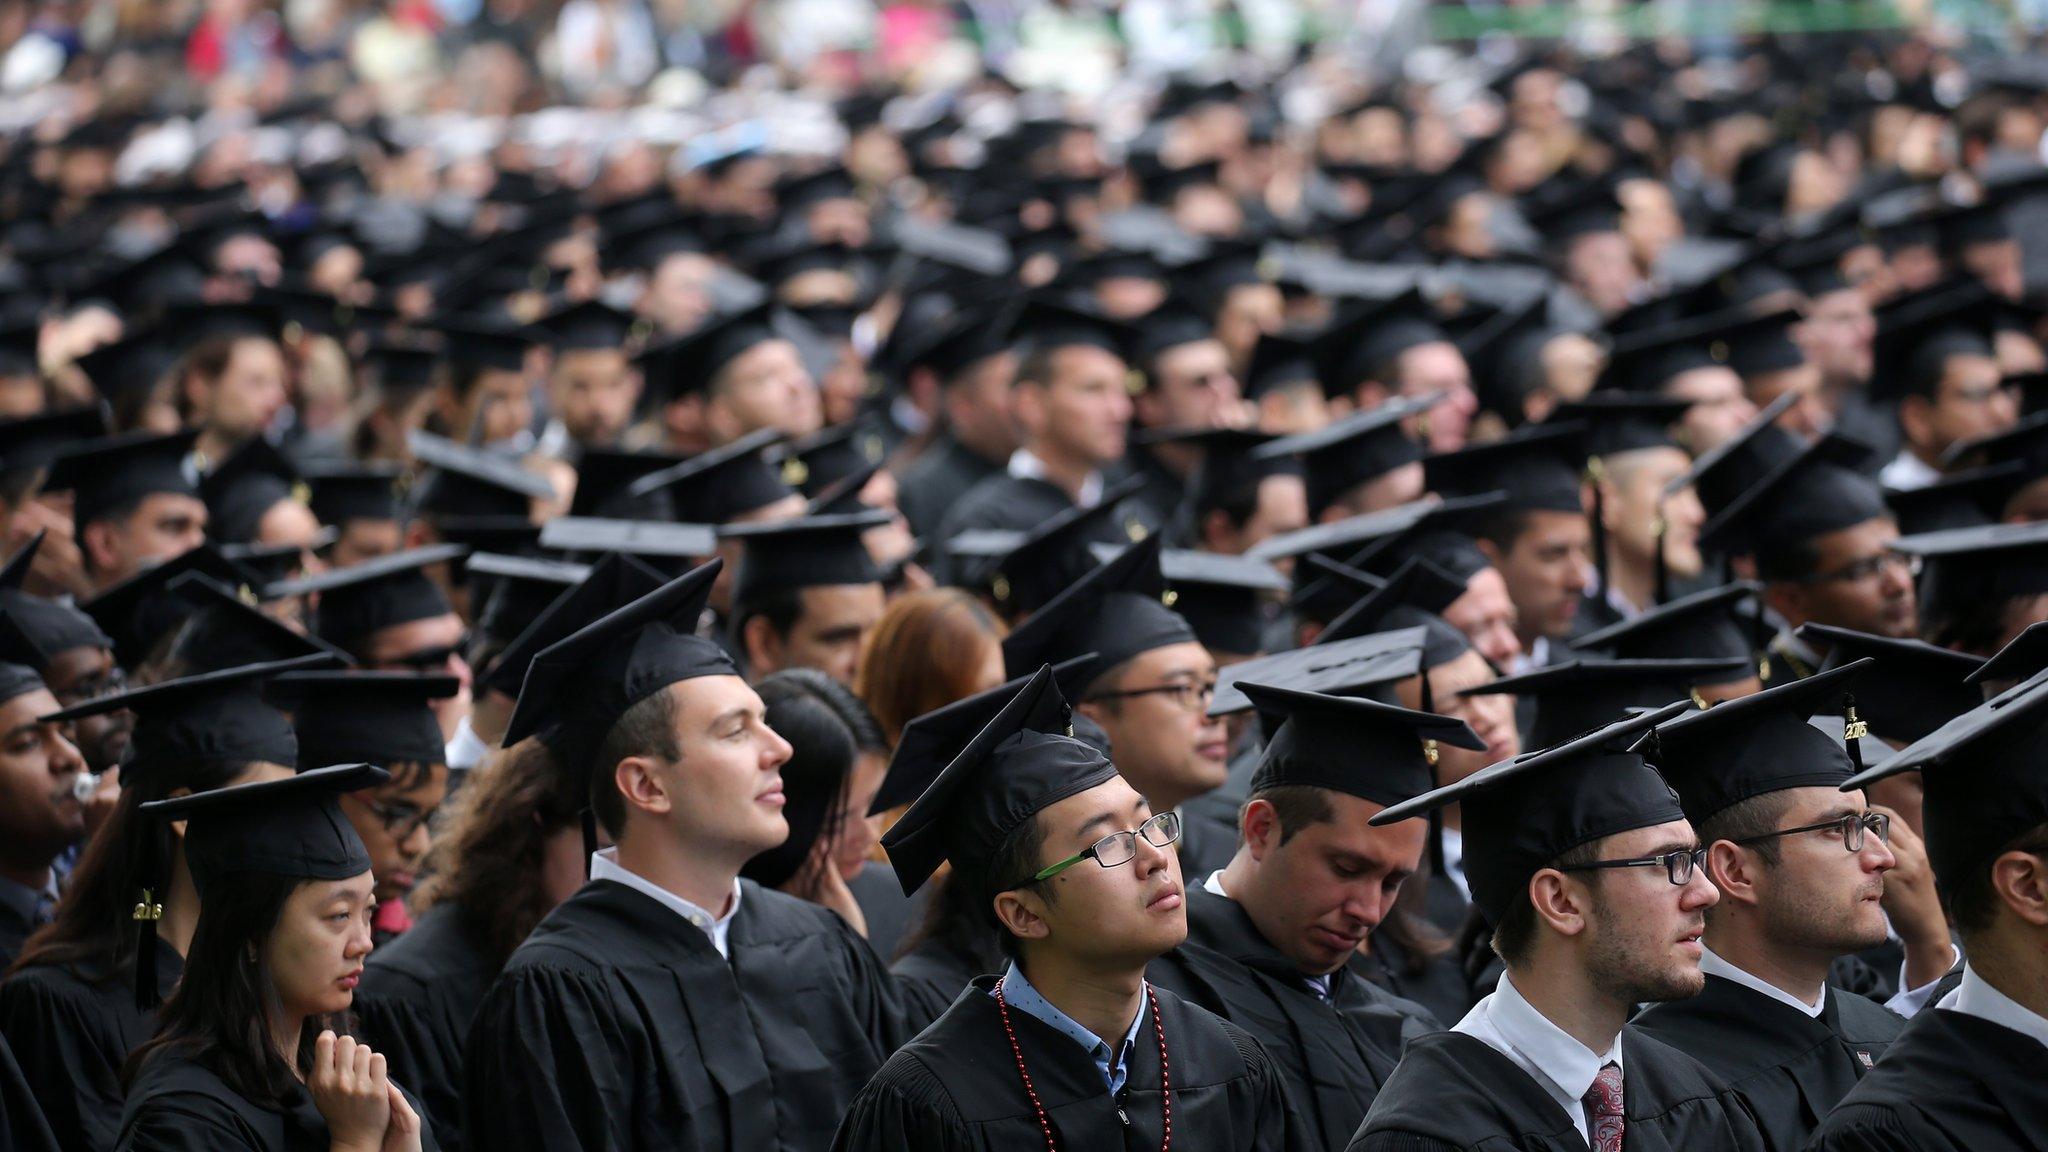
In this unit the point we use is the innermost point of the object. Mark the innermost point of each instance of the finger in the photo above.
(323, 1054)
(378, 1075)
(363, 1057)
(403, 1118)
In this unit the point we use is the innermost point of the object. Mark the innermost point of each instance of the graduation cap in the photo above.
(1505, 354)
(929, 742)
(806, 190)
(105, 475)
(1760, 448)
(1918, 333)
(1391, 535)
(1044, 323)
(225, 629)
(2024, 444)
(338, 494)
(588, 326)
(516, 589)
(1174, 323)
(248, 484)
(1230, 601)
(720, 485)
(1521, 814)
(1647, 359)
(380, 592)
(1820, 488)
(1355, 450)
(1232, 464)
(462, 481)
(2022, 658)
(1761, 743)
(1908, 687)
(1621, 422)
(580, 685)
(1356, 348)
(1414, 596)
(1538, 468)
(1965, 499)
(479, 345)
(141, 610)
(1020, 763)
(292, 828)
(648, 539)
(125, 372)
(1365, 666)
(949, 349)
(613, 582)
(830, 455)
(41, 628)
(1118, 611)
(604, 474)
(1985, 775)
(31, 442)
(405, 365)
(194, 322)
(1024, 571)
(1702, 626)
(213, 718)
(803, 552)
(1376, 752)
(1578, 696)
(1279, 360)
(380, 718)
(1979, 565)
(690, 363)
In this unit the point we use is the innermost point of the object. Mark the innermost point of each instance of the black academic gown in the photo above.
(1437, 983)
(930, 977)
(1158, 502)
(1791, 1067)
(18, 919)
(1950, 1083)
(1453, 1091)
(178, 1105)
(1208, 841)
(931, 483)
(888, 912)
(415, 1005)
(22, 1127)
(1332, 1054)
(956, 1088)
(72, 1030)
(617, 1025)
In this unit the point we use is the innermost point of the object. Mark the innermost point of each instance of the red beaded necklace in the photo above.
(1165, 1073)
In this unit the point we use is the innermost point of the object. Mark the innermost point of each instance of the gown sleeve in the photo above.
(422, 1047)
(543, 1067)
(187, 1122)
(874, 994)
(1877, 1130)
(59, 1045)
(903, 1109)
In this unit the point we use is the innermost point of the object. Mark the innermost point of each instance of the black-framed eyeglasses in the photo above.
(1868, 568)
(93, 687)
(1192, 696)
(1851, 828)
(1120, 848)
(1678, 866)
(431, 659)
(399, 821)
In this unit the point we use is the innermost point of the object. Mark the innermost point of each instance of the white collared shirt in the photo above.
(604, 865)
(1025, 466)
(1907, 472)
(1713, 965)
(1452, 841)
(1214, 887)
(1560, 1065)
(467, 750)
(1976, 997)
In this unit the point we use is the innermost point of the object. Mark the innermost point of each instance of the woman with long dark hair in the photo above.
(253, 1052)
(828, 783)
(78, 1001)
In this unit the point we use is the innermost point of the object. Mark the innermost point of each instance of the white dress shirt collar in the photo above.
(604, 865)
(1025, 466)
(1320, 985)
(1560, 1065)
(1713, 965)
(1976, 997)
(1452, 842)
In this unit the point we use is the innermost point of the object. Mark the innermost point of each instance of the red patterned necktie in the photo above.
(1603, 1108)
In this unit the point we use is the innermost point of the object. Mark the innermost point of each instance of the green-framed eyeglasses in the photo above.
(1120, 848)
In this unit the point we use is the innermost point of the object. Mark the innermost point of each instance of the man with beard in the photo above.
(1273, 938)
(70, 652)
(39, 814)
(1801, 868)
(1583, 860)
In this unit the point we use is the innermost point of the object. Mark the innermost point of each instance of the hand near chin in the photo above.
(1913, 905)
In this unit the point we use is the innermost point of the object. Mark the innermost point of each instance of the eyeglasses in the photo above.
(1120, 848)
(1868, 568)
(1193, 697)
(400, 821)
(1850, 827)
(430, 659)
(93, 687)
(1679, 866)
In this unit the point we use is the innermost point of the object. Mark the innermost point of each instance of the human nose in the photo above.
(1699, 892)
(775, 750)
(65, 759)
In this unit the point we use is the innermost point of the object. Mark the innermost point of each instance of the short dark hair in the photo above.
(1108, 676)
(1745, 819)
(648, 728)
(1238, 499)
(781, 607)
(1037, 366)
(1973, 904)
(1787, 559)
(1515, 935)
(1013, 865)
(1298, 807)
(1501, 527)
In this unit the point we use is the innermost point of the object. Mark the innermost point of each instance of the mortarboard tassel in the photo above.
(146, 914)
(1760, 639)
(1853, 731)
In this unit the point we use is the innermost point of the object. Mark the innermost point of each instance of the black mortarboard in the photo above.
(660, 543)
(1909, 688)
(689, 363)
(1766, 345)
(1979, 565)
(517, 589)
(192, 322)
(479, 345)
(604, 474)
(796, 193)
(1723, 473)
(141, 610)
(1232, 463)
(1415, 596)
(974, 335)
(1985, 776)
(292, 828)
(929, 742)
(1380, 541)
(587, 325)
(1354, 348)
(115, 472)
(1758, 744)
(1506, 355)
(1618, 422)
(1521, 814)
(812, 464)
(380, 718)
(1045, 323)
(1363, 666)
(1117, 611)
(2025, 443)
(1702, 626)
(222, 630)
(803, 552)
(1648, 359)
(214, 718)
(1023, 571)
(462, 481)
(42, 627)
(30, 442)
(1230, 601)
(1279, 361)
(1965, 499)
(250, 482)
(1580, 695)
(1820, 488)
(1538, 467)
(1174, 323)
(1917, 333)
(720, 485)
(1354, 450)
(613, 582)
(405, 365)
(1023, 761)
(2023, 657)
(580, 685)
(1363, 748)
(378, 593)
(126, 371)
(341, 493)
